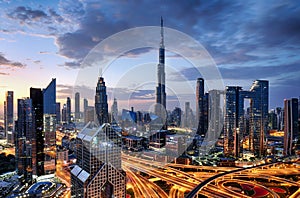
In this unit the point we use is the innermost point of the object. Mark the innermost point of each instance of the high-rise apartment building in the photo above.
(9, 116)
(101, 106)
(26, 154)
(160, 107)
(291, 128)
(77, 106)
(98, 171)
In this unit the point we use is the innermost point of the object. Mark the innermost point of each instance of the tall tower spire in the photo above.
(162, 32)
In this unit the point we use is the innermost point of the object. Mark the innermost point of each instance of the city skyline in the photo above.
(99, 100)
(61, 34)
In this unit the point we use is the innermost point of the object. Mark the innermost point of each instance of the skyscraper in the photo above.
(49, 126)
(64, 113)
(89, 114)
(9, 116)
(235, 123)
(160, 107)
(77, 106)
(188, 116)
(26, 155)
(85, 107)
(233, 114)
(279, 115)
(200, 106)
(68, 112)
(49, 98)
(36, 95)
(58, 117)
(114, 111)
(98, 171)
(215, 115)
(259, 105)
(291, 132)
(85, 103)
(101, 105)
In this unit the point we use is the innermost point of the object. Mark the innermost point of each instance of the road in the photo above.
(183, 182)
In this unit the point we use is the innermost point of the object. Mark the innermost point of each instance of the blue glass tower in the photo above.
(49, 98)
(259, 105)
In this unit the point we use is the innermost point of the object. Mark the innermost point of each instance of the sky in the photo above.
(248, 40)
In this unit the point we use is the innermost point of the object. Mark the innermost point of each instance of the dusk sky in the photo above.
(248, 40)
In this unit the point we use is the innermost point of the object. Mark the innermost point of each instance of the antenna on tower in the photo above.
(100, 72)
(162, 31)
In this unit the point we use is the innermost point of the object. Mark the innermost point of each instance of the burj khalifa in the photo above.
(160, 108)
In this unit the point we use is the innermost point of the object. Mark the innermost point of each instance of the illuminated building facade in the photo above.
(98, 171)
(291, 129)
(26, 155)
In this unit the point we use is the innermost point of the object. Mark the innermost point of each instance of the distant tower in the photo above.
(291, 132)
(68, 113)
(9, 116)
(85, 104)
(114, 111)
(201, 108)
(64, 113)
(98, 171)
(77, 106)
(160, 108)
(188, 118)
(101, 105)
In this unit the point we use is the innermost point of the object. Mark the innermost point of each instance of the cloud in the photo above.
(4, 74)
(26, 14)
(44, 52)
(73, 64)
(8, 63)
(37, 62)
